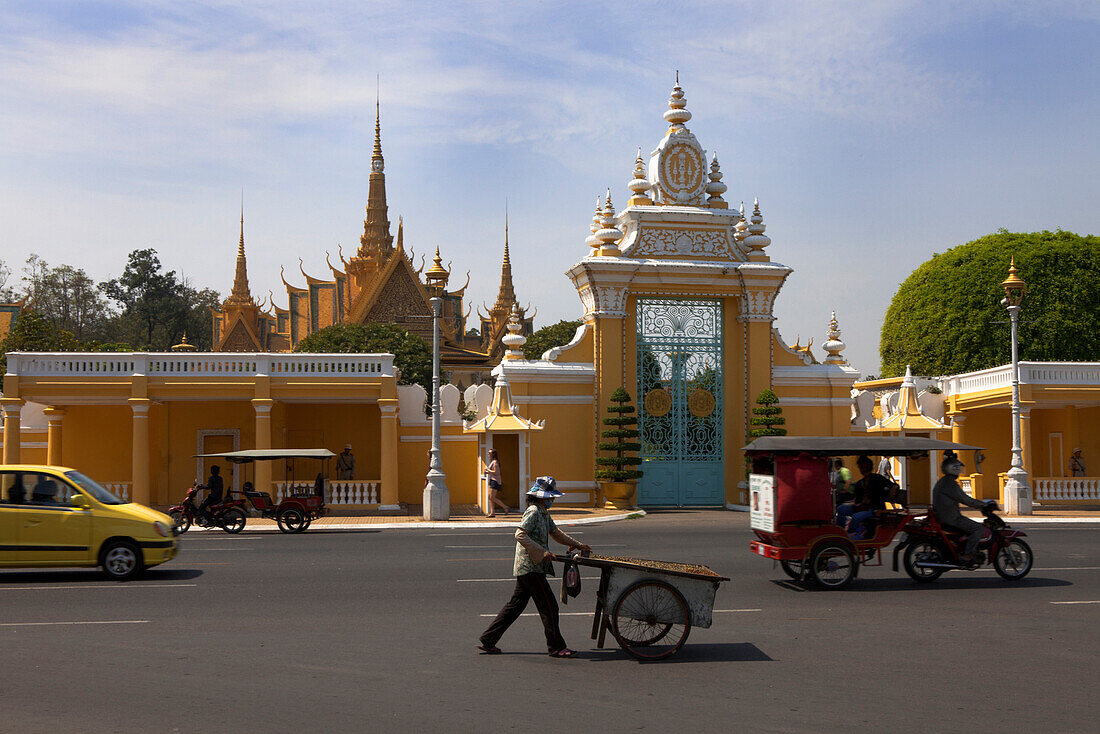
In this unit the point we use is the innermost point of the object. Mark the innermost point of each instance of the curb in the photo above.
(433, 525)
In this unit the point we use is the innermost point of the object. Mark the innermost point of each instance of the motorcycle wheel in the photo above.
(1013, 561)
(232, 521)
(181, 521)
(291, 520)
(792, 569)
(923, 550)
(832, 566)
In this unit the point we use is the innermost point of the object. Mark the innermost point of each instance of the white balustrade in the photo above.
(198, 364)
(1074, 374)
(118, 489)
(343, 492)
(1066, 488)
(967, 485)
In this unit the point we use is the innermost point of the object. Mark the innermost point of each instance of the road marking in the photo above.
(96, 586)
(217, 549)
(482, 535)
(513, 578)
(463, 560)
(512, 547)
(589, 614)
(1076, 602)
(55, 624)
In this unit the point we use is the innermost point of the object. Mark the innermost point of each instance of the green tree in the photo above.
(410, 354)
(6, 292)
(622, 422)
(947, 315)
(67, 298)
(32, 332)
(768, 415)
(153, 302)
(549, 337)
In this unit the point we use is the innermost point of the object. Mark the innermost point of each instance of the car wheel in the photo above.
(121, 560)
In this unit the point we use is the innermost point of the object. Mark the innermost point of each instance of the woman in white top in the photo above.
(492, 476)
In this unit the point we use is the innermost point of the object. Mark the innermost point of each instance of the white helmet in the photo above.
(951, 465)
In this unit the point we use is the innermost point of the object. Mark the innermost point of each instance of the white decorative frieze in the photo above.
(673, 241)
(757, 306)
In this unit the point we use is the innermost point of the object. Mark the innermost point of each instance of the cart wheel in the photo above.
(308, 522)
(232, 521)
(923, 550)
(792, 569)
(832, 566)
(182, 523)
(1013, 561)
(291, 520)
(648, 613)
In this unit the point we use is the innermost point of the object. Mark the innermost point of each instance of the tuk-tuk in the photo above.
(792, 504)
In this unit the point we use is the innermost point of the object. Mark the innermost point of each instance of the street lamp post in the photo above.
(1017, 490)
(437, 498)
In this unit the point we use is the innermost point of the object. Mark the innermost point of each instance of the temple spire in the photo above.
(376, 240)
(506, 297)
(240, 294)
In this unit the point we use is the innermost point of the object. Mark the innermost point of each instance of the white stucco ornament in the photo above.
(678, 167)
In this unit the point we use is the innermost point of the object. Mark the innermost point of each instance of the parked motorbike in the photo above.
(929, 549)
(229, 515)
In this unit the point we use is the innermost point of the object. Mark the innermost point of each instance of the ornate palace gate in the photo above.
(680, 384)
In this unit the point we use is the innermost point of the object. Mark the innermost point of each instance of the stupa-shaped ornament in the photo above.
(639, 185)
(741, 229)
(597, 224)
(834, 346)
(437, 275)
(678, 167)
(515, 339)
(757, 240)
(610, 234)
(716, 188)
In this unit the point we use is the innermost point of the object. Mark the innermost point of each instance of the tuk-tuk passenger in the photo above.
(871, 493)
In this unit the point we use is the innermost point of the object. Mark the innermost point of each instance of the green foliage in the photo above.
(67, 298)
(620, 413)
(767, 414)
(32, 332)
(941, 320)
(410, 354)
(549, 337)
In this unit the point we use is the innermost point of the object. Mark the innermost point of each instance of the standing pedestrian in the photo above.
(492, 478)
(345, 464)
(1077, 464)
(531, 567)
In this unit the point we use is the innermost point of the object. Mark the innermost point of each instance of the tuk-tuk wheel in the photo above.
(793, 569)
(291, 520)
(833, 566)
(233, 521)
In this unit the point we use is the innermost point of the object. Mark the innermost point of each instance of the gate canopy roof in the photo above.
(852, 445)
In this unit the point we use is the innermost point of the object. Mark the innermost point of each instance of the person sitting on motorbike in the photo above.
(946, 496)
(871, 492)
(215, 489)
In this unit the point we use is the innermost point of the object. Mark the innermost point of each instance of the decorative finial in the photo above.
(677, 113)
(639, 185)
(515, 338)
(834, 346)
(610, 233)
(741, 229)
(597, 224)
(437, 274)
(716, 188)
(377, 164)
(756, 239)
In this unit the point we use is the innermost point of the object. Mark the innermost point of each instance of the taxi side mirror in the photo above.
(79, 500)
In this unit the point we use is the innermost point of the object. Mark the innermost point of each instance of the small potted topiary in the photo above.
(618, 479)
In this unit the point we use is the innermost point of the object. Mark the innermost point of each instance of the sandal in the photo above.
(489, 649)
(565, 652)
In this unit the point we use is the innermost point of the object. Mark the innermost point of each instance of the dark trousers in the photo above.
(528, 586)
(973, 532)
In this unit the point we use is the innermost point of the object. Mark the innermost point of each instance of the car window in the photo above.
(46, 489)
(12, 491)
(93, 488)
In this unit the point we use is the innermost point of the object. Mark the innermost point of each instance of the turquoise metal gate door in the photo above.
(680, 407)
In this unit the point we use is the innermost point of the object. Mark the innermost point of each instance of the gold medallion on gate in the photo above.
(700, 403)
(658, 402)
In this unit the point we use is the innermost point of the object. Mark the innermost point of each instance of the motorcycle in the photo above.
(228, 515)
(930, 549)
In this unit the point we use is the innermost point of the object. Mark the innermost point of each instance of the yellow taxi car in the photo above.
(55, 516)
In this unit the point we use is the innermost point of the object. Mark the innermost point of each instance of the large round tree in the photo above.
(947, 315)
(410, 354)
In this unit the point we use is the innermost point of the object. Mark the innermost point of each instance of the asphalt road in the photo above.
(376, 631)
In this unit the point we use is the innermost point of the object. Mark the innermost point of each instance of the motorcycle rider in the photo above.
(215, 487)
(946, 496)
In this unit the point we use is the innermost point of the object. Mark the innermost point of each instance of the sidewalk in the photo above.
(462, 516)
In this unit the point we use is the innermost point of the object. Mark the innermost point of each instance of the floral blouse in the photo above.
(538, 525)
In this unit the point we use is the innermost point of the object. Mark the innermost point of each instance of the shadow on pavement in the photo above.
(93, 576)
(861, 586)
(719, 652)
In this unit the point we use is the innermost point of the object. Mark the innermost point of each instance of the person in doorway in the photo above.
(531, 567)
(345, 464)
(215, 489)
(946, 497)
(1077, 464)
(492, 478)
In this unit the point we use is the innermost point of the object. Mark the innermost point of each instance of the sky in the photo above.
(874, 134)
